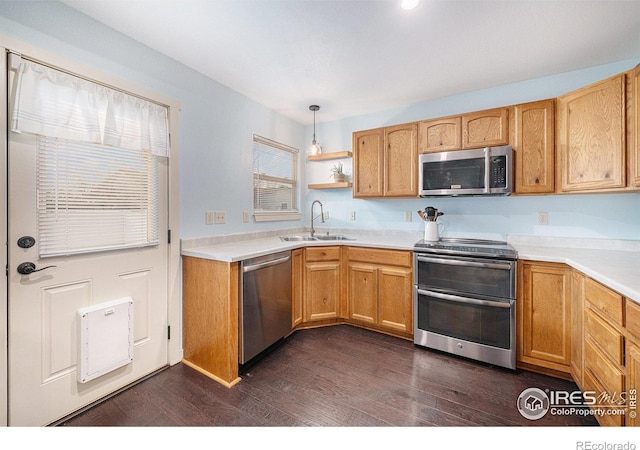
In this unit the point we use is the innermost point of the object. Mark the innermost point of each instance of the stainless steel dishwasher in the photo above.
(265, 306)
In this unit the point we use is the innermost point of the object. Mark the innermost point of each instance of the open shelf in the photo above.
(330, 185)
(334, 155)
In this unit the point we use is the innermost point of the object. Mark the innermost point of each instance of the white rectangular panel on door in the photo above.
(106, 338)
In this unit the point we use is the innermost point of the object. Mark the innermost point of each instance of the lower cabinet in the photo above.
(322, 283)
(380, 288)
(544, 317)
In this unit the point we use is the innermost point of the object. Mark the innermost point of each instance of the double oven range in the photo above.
(465, 299)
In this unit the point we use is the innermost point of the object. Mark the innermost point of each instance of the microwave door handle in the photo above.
(487, 168)
(455, 262)
(472, 301)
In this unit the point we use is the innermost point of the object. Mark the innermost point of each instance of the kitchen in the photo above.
(586, 216)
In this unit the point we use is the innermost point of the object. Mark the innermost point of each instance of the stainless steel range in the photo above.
(465, 299)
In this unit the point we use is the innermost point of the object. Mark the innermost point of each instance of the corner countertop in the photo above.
(614, 263)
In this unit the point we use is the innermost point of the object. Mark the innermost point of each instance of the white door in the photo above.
(43, 305)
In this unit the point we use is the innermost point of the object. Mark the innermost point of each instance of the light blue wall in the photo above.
(216, 127)
(614, 216)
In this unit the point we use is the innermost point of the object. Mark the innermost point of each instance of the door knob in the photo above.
(26, 268)
(26, 242)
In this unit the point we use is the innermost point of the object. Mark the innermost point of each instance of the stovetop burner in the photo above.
(467, 247)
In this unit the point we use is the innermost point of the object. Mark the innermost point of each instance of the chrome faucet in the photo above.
(313, 230)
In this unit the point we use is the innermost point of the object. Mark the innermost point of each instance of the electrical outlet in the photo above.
(325, 215)
(543, 218)
(208, 218)
(245, 216)
(407, 216)
(352, 215)
(220, 217)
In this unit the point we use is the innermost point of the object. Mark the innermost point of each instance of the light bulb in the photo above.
(408, 5)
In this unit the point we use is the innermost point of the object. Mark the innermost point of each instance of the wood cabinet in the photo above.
(368, 163)
(440, 135)
(210, 318)
(633, 137)
(297, 286)
(577, 326)
(591, 137)
(385, 162)
(486, 128)
(380, 288)
(604, 346)
(322, 283)
(544, 317)
(633, 384)
(471, 130)
(532, 128)
(401, 161)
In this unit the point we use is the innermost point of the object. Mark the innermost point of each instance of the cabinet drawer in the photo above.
(604, 301)
(377, 256)
(609, 375)
(609, 339)
(633, 319)
(591, 384)
(322, 254)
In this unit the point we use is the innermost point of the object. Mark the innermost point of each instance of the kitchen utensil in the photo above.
(422, 215)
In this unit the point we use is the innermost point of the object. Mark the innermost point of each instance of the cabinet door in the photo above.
(591, 136)
(577, 332)
(440, 135)
(322, 290)
(401, 161)
(363, 293)
(368, 163)
(545, 316)
(395, 298)
(485, 128)
(297, 287)
(634, 137)
(534, 147)
(633, 383)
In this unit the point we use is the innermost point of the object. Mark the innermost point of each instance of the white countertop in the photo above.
(615, 264)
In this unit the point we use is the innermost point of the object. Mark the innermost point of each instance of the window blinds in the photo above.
(274, 176)
(94, 197)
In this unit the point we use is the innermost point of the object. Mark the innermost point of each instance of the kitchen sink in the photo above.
(333, 237)
(319, 237)
(297, 238)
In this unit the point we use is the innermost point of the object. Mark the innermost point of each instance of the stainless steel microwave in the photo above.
(482, 171)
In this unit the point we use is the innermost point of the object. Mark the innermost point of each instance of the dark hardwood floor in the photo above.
(338, 376)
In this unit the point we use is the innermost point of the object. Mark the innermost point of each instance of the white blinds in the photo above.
(53, 103)
(274, 176)
(94, 197)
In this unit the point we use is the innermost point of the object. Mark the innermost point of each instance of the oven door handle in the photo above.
(457, 298)
(456, 262)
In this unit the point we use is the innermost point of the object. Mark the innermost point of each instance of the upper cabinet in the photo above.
(532, 131)
(472, 130)
(591, 127)
(440, 135)
(485, 128)
(385, 162)
(634, 139)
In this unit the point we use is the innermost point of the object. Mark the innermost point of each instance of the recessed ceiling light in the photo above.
(408, 5)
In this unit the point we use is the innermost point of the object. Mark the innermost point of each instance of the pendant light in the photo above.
(315, 148)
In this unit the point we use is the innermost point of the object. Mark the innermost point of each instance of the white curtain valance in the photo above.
(52, 103)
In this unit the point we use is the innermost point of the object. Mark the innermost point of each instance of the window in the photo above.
(275, 181)
(94, 197)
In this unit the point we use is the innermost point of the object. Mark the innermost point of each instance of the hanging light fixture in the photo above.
(315, 148)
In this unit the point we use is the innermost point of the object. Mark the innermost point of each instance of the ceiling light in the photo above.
(315, 148)
(408, 5)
